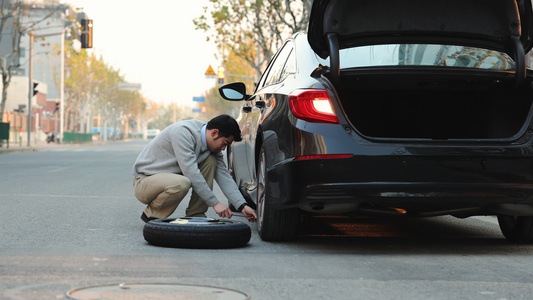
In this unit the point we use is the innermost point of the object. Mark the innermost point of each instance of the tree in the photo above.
(92, 89)
(253, 30)
(12, 26)
(171, 113)
(132, 103)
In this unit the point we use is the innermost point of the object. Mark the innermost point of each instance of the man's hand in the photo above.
(249, 213)
(222, 210)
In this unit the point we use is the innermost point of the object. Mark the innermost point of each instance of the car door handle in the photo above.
(247, 109)
(260, 103)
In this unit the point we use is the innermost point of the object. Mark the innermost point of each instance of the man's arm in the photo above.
(227, 184)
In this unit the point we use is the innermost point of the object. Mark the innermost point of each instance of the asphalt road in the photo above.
(69, 220)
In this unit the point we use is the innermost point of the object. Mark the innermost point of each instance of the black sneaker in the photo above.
(145, 218)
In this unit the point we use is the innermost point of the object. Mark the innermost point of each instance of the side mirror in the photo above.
(235, 91)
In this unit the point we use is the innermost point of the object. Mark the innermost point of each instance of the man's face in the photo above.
(217, 143)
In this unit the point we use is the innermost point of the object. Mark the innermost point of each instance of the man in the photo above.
(188, 154)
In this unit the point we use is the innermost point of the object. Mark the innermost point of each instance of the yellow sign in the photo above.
(210, 71)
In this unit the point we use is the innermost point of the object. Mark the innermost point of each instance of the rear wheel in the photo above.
(517, 229)
(272, 224)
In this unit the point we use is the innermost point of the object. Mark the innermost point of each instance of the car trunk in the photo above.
(410, 106)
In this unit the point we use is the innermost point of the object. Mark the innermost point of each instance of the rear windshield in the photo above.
(425, 55)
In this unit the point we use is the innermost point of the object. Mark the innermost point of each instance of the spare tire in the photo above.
(197, 233)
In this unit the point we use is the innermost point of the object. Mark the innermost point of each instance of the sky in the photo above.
(154, 43)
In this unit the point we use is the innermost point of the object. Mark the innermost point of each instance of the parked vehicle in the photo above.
(407, 108)
(50, 137)
(151, 133)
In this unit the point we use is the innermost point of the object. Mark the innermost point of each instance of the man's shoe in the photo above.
(145, 218)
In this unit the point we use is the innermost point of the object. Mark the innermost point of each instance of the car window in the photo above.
(425, 55)
(278, 64)
(290, 66)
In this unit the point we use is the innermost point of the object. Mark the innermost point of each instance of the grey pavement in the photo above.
(39, 146)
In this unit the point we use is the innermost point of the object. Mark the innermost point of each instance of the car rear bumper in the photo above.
(425, 184)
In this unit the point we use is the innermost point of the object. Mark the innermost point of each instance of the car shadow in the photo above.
(437, 235)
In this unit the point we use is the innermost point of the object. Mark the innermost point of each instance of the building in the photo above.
(54, 26)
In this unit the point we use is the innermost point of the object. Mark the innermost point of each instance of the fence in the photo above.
(72, 137)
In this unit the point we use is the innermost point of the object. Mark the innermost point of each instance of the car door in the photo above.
(252, 114)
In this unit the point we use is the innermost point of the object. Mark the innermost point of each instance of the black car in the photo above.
(407, 108)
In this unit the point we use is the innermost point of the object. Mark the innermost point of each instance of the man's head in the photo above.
(222, 131)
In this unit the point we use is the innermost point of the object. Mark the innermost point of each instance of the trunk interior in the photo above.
(437, 108)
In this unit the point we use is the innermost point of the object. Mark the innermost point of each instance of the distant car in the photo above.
(393, 108)
(151, 133)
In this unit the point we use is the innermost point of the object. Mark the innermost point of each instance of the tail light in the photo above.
(312, 106)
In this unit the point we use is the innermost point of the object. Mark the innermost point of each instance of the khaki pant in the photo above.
(163, 192)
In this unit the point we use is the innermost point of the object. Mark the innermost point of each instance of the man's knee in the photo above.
(209, 165)
(208, 168)
(211, 160)
(149, 188)
(179, 188)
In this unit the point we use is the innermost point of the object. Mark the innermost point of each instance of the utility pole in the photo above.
(62, 90)
(30, 86)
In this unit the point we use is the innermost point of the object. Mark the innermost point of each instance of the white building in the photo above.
(47, 31)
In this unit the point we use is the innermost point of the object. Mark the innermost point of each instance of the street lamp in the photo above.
(62, 81)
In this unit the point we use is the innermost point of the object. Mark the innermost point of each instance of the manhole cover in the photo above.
(154, 291)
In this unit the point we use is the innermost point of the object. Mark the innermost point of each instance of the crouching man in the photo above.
(184, 155)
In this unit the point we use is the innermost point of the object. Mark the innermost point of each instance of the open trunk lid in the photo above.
(490, 24)
(502, 25)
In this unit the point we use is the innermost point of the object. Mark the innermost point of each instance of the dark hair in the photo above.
(227, 126)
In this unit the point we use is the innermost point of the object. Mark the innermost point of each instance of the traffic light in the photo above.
(86, 33)
(35, 91)
(57, 105)
(203, 109)
(221, 74)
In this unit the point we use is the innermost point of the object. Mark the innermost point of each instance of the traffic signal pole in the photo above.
(30, 86)
(62, 82)
(62, 90)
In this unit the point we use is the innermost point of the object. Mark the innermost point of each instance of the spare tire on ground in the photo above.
(197, 233)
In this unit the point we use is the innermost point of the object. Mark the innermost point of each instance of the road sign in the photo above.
(196, 110)
(198, 99)
(210, 71)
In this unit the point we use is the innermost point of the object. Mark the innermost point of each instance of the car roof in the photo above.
(491, 24)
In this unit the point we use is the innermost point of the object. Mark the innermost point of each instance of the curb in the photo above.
(20, 149)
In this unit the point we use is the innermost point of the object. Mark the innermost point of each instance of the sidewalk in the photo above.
(39, 146)
(22, 148)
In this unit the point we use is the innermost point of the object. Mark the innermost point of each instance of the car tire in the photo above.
(272, 224)
(517, 229)
(196, 233)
